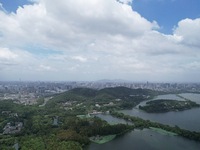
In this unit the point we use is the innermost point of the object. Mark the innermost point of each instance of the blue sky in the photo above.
(167, 12)
(12, 5)
(137, 40)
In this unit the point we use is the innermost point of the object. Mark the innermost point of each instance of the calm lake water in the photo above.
(112, 120)
(188, 119)
(147, 140)
(192, 97)
(151, 140)
(168, 96)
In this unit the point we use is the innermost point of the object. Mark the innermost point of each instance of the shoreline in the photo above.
(102, 139)
(162, 131)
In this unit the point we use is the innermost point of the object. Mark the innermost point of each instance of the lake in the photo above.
(147, 140)
(151, 140)
(113, 120)
(167, 96)
(187, 119)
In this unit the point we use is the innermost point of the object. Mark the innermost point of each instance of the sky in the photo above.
(76, 40)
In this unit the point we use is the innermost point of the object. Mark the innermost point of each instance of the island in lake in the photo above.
(163, 105)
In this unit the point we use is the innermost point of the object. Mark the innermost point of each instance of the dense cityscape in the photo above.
(28, 92)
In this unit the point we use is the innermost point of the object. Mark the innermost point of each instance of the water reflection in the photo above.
(150, 140)
(147, 140)
(113, 120)
(188, 119)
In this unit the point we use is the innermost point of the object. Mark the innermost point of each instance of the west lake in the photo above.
(187, 119)
(151, 140)
(147, 140)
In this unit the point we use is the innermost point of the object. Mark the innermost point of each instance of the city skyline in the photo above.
(146, 40)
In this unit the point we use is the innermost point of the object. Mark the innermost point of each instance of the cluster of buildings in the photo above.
(28, 92)
(12, 129)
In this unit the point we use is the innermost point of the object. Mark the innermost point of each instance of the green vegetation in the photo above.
(72, 129)
(163, 131)
(102, 139)
(140, 123)
(84, 116)
(64, 121)
(40, 101)
(39, 143)
(162, 105)
(84, 99)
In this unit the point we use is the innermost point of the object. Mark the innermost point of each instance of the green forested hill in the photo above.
(126, 97)
(86, 92)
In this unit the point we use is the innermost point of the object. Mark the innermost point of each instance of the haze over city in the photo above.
(140, 40)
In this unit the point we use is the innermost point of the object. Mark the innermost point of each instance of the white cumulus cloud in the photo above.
(126, 1)
(93, 39)
(189, 31)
